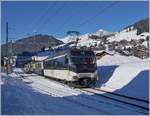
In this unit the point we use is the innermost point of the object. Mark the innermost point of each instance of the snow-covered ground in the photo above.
(125, 75)
(33, 94)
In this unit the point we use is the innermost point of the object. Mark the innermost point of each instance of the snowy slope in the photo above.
(125, 75)
(117, 59)
(84, 39)
(123, 35)
(112, 36)
(102, 33)
(130, 35)
(67, 39)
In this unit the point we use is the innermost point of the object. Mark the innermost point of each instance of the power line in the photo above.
(51, 17)
(88, 20)
(99, 13)
(67, 21)
(42, 16)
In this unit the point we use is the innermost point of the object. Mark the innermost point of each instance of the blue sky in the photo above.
(56, 18)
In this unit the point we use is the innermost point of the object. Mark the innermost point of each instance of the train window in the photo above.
(83, 60)
(61, 62)
(82, 53)
(48, 65)
(57, 63)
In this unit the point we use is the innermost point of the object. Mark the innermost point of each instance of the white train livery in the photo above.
(75, 67)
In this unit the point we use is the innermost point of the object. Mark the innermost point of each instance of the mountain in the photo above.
(142, 26)
(134, 35)
(132, 40)
(136, 31)
(102, 33)
(89, 39)
(133, 31)
(82, 38)
(30, 44)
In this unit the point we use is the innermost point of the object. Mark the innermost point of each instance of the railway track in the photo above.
(59, 93)
(113, 93)
(143, 104)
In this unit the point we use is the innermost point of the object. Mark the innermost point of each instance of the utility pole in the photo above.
(11, 56)
(7, 60)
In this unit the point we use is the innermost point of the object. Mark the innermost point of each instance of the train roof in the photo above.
(73, 51)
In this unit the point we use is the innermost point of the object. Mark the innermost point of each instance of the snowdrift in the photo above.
(124, 75)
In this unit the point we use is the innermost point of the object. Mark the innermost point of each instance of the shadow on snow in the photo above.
(140, 84)
(18, 99)
(105, 73)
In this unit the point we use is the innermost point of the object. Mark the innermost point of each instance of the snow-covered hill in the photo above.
(127, 42)
(117, 59)
(102, 33)
(128, 35)
(85, 37)
(87, 40)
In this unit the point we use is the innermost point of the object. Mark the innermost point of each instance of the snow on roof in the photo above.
(128, 46)
(107, 51)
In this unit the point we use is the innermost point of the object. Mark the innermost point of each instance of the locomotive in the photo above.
(75, 67)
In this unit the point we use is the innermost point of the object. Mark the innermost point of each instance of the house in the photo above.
(99, 54)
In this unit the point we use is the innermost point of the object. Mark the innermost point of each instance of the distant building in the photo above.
(100, 53)
(141, 51)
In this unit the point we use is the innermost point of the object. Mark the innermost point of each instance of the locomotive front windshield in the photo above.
(83, 57)
(83, 60)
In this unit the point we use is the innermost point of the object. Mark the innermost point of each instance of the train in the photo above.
(74, 67)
